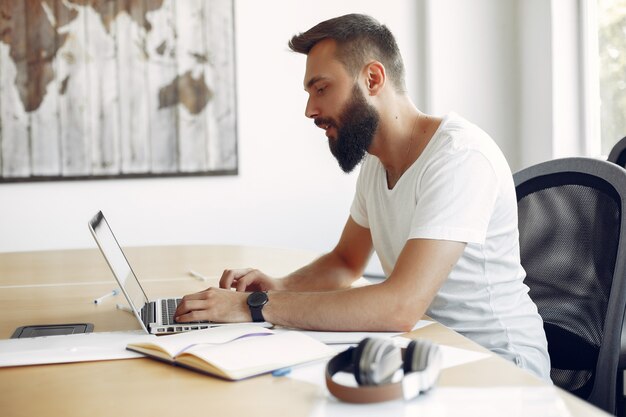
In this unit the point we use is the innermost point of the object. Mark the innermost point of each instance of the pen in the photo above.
(107, 295)
(197, 276)
(281, 372)
(123, 308)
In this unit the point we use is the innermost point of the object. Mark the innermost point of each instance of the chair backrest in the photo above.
(573, 248)
(618, 156)
(618, 153)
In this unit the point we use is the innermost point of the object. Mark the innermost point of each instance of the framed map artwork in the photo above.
(116, 88)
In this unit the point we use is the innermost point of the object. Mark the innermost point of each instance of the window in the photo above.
(611, 32)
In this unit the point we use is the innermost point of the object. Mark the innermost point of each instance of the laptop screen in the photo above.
(117, 261)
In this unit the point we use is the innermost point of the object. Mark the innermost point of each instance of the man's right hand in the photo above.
(249, 280)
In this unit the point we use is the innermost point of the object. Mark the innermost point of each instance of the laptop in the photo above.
(155, 317)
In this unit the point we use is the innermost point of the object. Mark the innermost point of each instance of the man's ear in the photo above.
(375, 77)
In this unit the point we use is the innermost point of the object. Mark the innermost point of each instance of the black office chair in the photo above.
(618, 153)
(573, 247)
(618, 156)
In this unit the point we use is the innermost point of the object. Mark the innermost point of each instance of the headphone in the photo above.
(375, 361)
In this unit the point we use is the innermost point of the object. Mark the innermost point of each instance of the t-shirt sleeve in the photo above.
(456, 196)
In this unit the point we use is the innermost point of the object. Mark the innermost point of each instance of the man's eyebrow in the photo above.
(313, 81)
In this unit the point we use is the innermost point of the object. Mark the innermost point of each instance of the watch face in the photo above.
(257, 299)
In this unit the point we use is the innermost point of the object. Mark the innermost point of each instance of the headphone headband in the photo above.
(414, 381)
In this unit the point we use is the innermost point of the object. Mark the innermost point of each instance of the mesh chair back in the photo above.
(618, 153)
(571, 225)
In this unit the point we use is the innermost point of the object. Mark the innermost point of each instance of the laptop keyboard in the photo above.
(168, 324)
(168, 308)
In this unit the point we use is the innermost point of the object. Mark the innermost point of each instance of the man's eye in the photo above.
(321, 90)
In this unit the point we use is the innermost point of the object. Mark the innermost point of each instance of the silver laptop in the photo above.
(156, 317)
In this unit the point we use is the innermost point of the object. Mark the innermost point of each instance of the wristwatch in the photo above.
(256, 301)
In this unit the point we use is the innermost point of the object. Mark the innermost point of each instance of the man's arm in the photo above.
(334, 270)
(394, 305)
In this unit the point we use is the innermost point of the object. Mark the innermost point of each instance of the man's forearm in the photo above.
(377, 307)
(329, 272)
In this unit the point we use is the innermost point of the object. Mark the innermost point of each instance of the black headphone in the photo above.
(375, 361)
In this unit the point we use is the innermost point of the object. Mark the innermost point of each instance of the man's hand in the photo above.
(249, 280)
(214, 304)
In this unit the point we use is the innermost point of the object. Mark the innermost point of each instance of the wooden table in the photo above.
(56, 287)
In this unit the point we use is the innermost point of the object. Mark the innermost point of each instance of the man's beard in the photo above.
(355, 131)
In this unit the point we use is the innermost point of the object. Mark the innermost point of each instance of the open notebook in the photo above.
(234, 352)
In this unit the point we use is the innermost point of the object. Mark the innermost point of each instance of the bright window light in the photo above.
(611, 20)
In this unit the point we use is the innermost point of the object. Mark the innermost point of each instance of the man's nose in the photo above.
(311, 110)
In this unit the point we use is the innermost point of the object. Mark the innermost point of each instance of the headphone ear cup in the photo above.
(424, 358)
(417, 355)
(356, 360)
(408, 357)
(378, 360)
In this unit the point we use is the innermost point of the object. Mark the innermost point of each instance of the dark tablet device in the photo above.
(38, 330)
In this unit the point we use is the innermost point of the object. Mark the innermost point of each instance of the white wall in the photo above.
(473, 66)
(289, 192)
(552, 117)
(536, 80)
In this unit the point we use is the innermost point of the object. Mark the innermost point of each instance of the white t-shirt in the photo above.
(461, 189)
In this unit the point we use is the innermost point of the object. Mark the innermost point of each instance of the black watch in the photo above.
(256, 301)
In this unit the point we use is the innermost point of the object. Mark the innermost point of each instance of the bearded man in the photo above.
(435, 199)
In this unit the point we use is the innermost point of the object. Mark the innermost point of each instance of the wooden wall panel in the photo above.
(44, 123)
(222, 126)
(103, 90)
(162, 72)
(133, 89)
(15, 123)
(3, 53)
(193, 94)
(106, 88)
(71, 65)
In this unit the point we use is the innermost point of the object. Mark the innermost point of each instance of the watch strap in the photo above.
(257, 314)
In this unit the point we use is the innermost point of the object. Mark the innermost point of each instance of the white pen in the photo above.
(107, 295)
(124, 308)
(198, 276)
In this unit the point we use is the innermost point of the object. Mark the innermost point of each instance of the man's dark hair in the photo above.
(359, 38)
